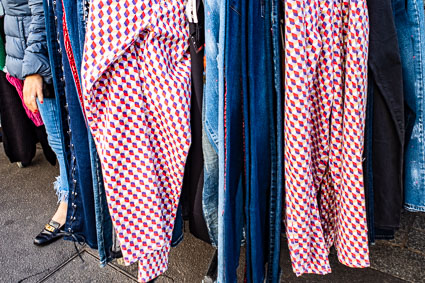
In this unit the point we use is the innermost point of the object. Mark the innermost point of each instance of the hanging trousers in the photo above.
(326, 50)
(136, 87)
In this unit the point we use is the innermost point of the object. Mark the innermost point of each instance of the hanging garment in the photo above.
(231, 194)
(80, 214)
(214, 47)
(75, 11)
(260, 136)
(410, 24)
(193, 182)
(388, 126)
(136, 87)
(326, 50)
(276, 191)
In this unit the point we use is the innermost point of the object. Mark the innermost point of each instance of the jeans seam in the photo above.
(235, 10)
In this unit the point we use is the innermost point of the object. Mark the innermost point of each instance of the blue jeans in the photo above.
(410, 25)
(75, 18)
(276, 190)
(50, 115)
(231, 219)
(58, 84)
(259, 136)
(81, 219)
(210, 115)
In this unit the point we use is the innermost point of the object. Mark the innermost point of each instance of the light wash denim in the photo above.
(409, 20)
(221, 137)
(210, 118)
(49, 114)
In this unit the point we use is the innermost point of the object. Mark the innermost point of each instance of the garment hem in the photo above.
(414, 208)
(61, 193)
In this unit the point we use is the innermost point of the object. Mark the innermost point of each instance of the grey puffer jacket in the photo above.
(26, 44)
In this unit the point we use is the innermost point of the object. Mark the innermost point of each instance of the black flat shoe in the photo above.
(50, 233)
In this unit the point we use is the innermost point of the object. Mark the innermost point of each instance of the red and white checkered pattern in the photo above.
(136, 88)
(326, 49)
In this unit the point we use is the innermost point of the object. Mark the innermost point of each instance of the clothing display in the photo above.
(74, 38)
(261, 123)
(385, 125)
(193, 181)
(210, 116)
(142, 131)
(325, 103)
(410, 22)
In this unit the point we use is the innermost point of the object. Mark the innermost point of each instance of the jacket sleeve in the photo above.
(36, 60)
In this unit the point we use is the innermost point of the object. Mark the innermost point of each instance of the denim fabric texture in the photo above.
(51, 118)
(104, 227)
(178, 234)
(409, 21)
(276, 190)
(221, 252)
(55, 60)
(368, 163)
(210, 118)
(386, 85)
(259, 122)
(232, 212)
(81, 219)
(210, 192)
(75, 13)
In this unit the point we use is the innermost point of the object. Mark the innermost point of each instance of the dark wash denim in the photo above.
(75, 17)
(276, 190)
(368, 162)
(191, 198)
(259, 125)
(410, 24)
(81, 211)
(232, 214)
(388, 115)
(57, 74)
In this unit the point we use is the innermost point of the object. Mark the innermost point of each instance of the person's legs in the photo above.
(48, 111)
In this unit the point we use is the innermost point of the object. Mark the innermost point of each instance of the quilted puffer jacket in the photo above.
(26, 45)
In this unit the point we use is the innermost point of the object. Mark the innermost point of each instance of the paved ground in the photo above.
(27, 201)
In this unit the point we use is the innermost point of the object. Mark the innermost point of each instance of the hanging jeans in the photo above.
(75, 24)
(210, 105)
(231, 213)
(326, 51)
(410, 25)
(81, 214)
(387, 131)
(276, 191)
(260, 142)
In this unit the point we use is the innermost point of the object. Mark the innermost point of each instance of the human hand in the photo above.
(33, 88)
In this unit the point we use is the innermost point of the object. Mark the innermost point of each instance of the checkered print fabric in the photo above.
(326, 49)
(136, 90)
